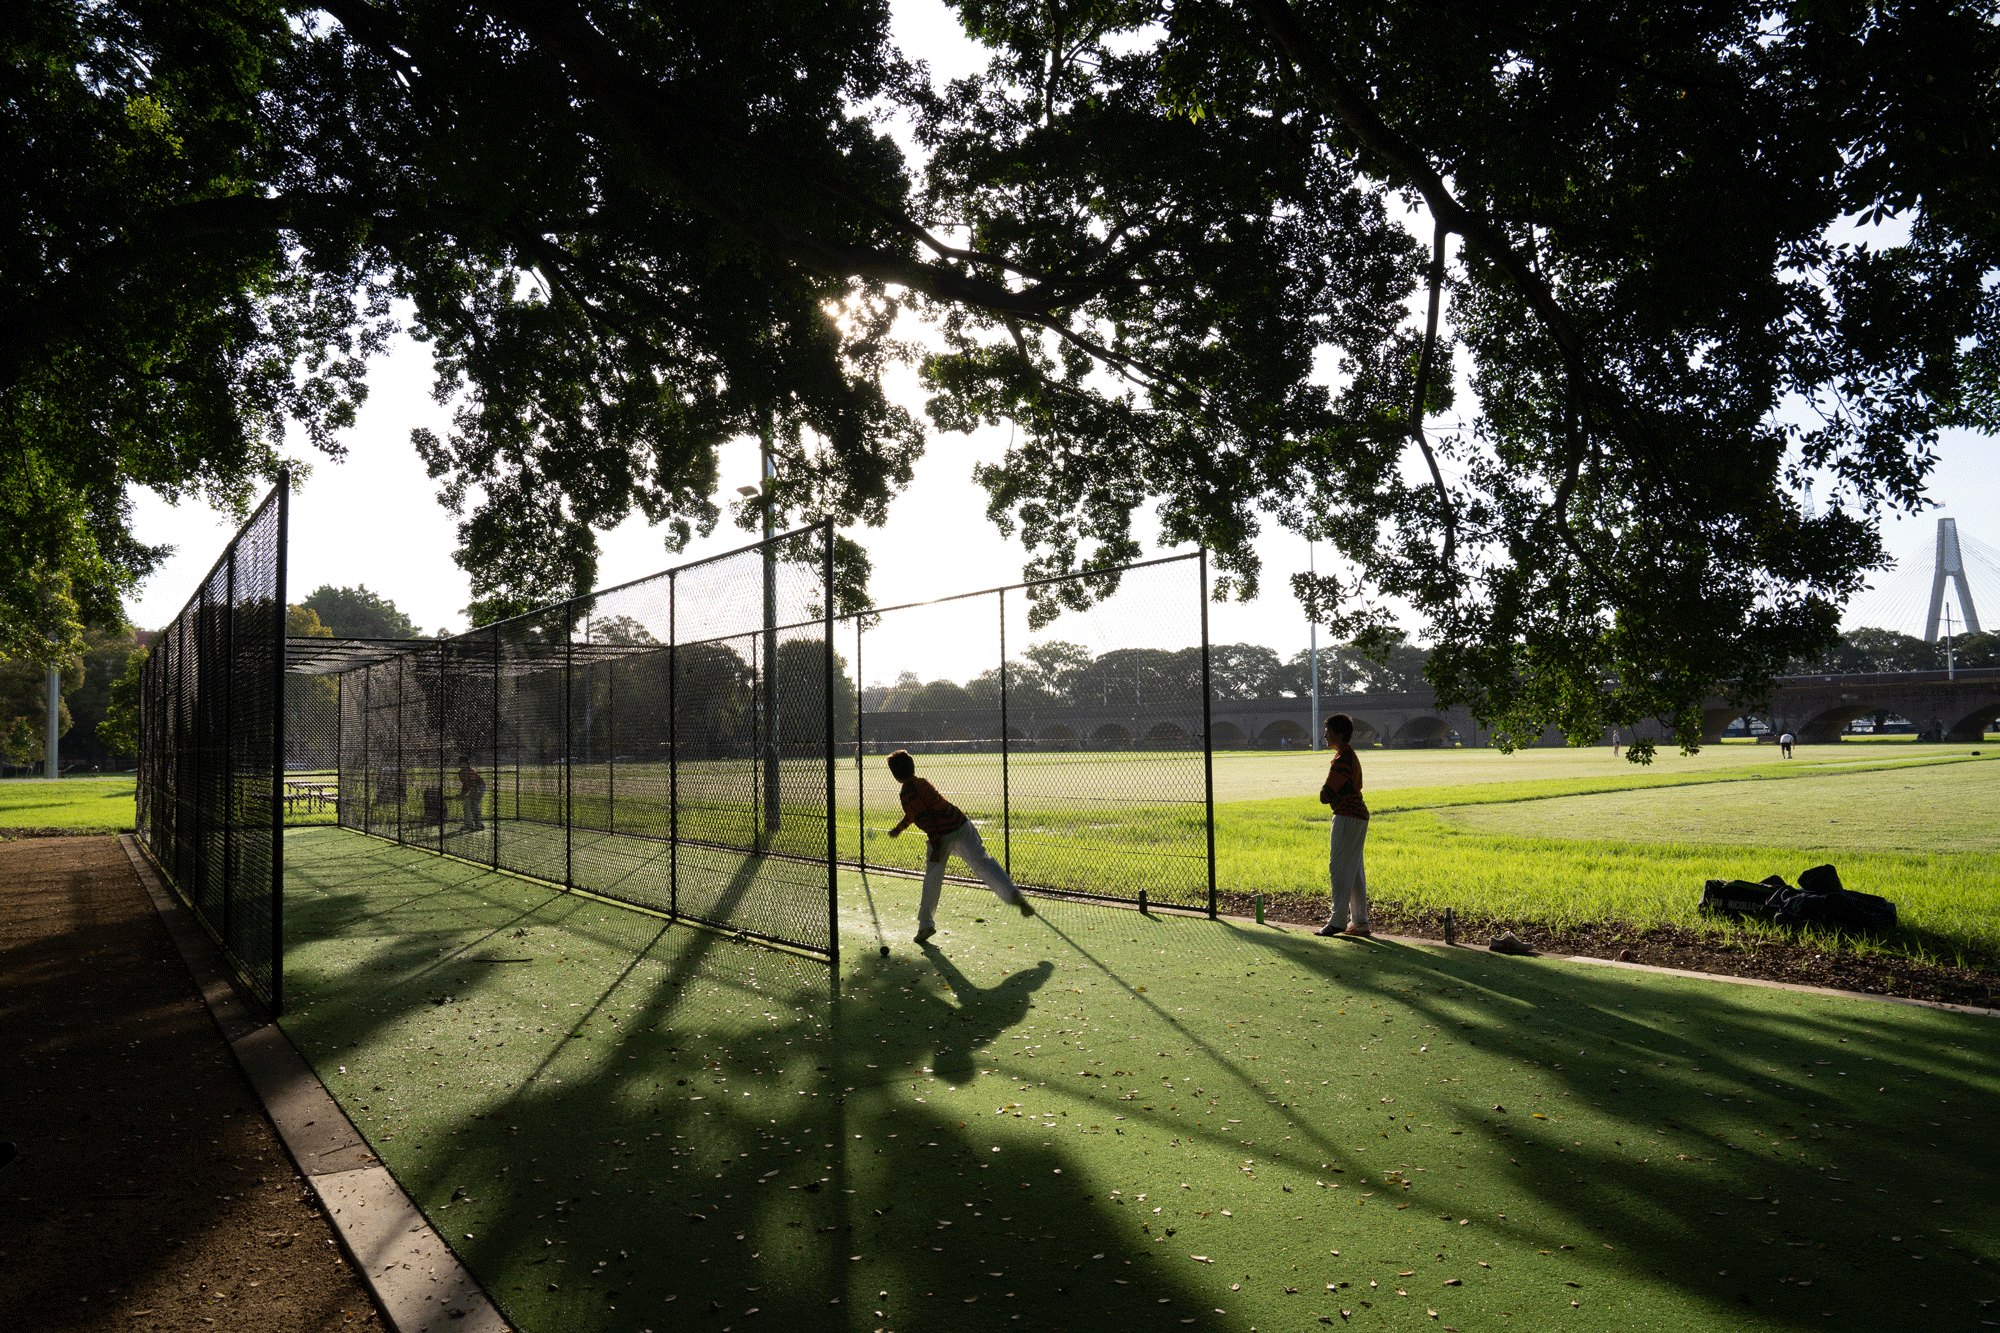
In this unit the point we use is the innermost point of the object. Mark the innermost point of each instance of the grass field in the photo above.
(1100, 1120)
(1918, 832)
(88, 805)
(1549, 836)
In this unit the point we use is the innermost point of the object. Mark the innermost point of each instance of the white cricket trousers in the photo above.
(966, 846)
(1344, 868)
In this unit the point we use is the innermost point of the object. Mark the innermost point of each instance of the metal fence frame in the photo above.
(211, 767)
(211, 790)
(557, 642)
(1005, 742)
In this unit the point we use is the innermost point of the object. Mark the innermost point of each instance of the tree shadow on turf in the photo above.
(618, 1172)
(1731, 1144)
(626, 1165)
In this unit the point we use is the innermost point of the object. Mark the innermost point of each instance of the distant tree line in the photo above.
(1865, 650)
(1060, 674)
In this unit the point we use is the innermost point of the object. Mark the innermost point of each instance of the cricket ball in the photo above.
(885, 951)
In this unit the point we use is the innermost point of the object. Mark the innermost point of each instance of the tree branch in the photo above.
(653, 119)
(1333, 91)
(1424, 365)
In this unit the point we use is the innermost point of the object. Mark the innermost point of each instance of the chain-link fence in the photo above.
(211, 750)
(312, 744)
(1067, 717)
(667, 743)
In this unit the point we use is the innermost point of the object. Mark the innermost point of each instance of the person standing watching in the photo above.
(472, 790)
(1349, 833)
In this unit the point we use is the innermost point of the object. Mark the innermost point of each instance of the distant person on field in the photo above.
(472, 789)
(1615, 738)
(1785, 745)
(950, 834)
(1342, 791)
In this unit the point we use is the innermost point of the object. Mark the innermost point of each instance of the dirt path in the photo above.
(151, 1192)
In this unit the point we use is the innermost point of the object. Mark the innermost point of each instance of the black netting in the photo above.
(1070, 728)
(312, 745)
(664, 743)
(211, 731)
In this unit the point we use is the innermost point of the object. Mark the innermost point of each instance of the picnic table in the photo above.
(309, 794)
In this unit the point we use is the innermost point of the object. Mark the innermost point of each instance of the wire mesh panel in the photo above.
(531, 800)
(1066, 718)
(312, 741)
(211, 740)
(666, 743)
(254, 631)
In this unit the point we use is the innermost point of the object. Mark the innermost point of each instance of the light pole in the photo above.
(1312, 652)
(50, 767)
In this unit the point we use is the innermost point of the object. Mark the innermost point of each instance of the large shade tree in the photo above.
(1229, 259)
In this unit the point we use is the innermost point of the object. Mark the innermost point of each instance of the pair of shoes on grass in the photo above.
(1329, 929)
(1509, 943)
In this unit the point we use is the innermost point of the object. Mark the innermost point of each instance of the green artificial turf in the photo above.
(1098, 1120)
(88, 805)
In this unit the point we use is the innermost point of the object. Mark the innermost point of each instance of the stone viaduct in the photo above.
(1814, 708)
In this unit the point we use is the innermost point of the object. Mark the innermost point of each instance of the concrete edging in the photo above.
(415, 1278)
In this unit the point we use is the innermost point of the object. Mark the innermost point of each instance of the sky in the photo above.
(374, 519)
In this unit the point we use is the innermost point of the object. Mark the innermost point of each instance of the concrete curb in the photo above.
(1420, 942)
(417, 1281)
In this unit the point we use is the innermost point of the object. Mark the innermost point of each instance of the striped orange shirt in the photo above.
(927, 808)
(1343, 785)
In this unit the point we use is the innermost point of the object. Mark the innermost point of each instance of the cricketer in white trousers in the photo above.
(963, 843)
(1350, 877)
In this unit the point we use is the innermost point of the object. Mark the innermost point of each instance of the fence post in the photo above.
(229, 792)
(611, 745)
(832, 833)
(1006, 789)
(569, 744)
(860, 752)
(493, 842)
(1207, 738)
(673, 749)
(440, 656)
(282, 611)
(402, 787)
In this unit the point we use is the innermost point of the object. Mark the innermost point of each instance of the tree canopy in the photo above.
(352, 613)
(1226, 259)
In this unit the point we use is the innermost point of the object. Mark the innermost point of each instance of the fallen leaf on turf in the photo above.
(1453, 1282)
(1201, 1258)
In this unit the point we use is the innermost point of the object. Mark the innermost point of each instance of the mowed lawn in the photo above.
(1098, 1120)
(1543, 835)
(87, 805)
(1915, 827)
